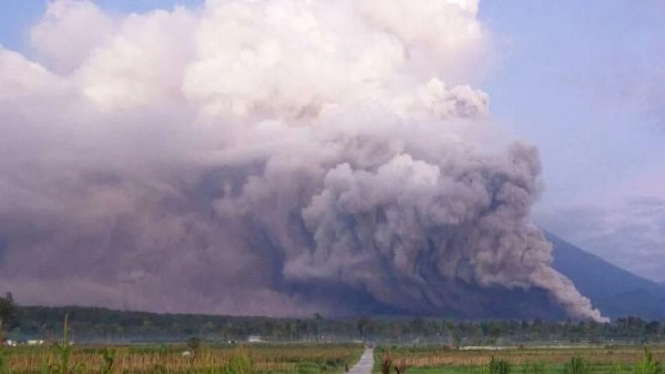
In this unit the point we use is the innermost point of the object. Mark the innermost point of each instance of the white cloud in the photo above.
(69, 31)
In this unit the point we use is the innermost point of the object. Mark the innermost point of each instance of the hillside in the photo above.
(616, 292)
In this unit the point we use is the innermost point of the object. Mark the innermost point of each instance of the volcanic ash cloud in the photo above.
(234, 157)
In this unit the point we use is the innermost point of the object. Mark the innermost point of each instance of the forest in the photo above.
(91, 324)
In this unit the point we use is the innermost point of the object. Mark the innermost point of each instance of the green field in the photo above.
(535, 360)
(547, 369)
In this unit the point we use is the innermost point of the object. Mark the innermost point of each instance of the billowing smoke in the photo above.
(265, 157)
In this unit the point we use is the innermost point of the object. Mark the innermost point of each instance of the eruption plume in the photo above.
(265, 157)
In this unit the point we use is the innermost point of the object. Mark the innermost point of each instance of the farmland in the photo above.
(533, 360)
(325, 358)
(261, 358)
(107, 341)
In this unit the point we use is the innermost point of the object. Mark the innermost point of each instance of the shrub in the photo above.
(648, 365)
(308, 367)
(386, 363)
(193, 344)
(400, 368)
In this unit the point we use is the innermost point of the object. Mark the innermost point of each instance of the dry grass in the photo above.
(266, 358)
(596, 356)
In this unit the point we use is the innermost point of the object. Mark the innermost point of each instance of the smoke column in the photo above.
(271, 157)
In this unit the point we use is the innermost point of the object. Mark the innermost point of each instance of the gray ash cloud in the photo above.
(275, 157)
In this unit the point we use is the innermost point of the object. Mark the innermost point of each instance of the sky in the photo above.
(582, 81)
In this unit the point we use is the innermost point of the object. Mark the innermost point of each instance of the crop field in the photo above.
(254, 358)
(541, 360)
(328, 359)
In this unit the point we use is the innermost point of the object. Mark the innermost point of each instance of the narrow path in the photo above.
(365, 365)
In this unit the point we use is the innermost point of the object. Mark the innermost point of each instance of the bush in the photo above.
(193, 344)
(648, 365)
(386, 363)
(308, 368)
(400, 367)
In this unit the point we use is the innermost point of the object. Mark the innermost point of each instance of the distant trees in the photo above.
(363, 325)
(494, 332)
(318, 318)
(653, 330)
(8, 310)
(44, 322)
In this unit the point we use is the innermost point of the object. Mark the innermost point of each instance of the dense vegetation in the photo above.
(103, 325)
(200, 344)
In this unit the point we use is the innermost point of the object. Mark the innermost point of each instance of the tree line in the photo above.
(106, 325)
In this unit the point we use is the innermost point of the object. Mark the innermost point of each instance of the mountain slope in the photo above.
(616, 292)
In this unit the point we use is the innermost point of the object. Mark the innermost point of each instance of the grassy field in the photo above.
(542, 360)
(322, 359)
(327, 359)
(547, 369)
(261, 358)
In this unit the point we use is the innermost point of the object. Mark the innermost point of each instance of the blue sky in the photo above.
(576, 81)
(584, 81)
